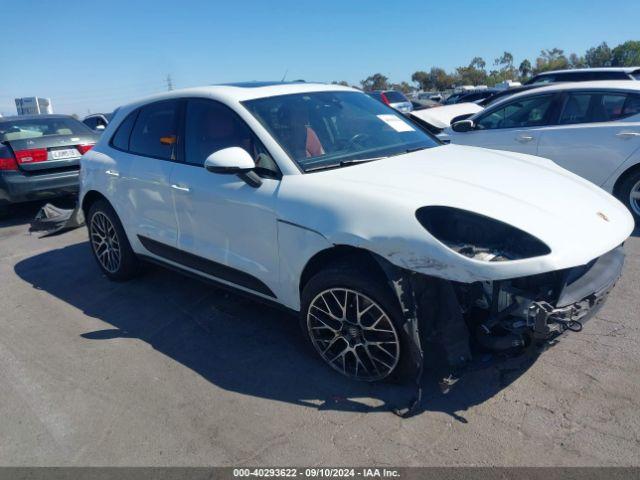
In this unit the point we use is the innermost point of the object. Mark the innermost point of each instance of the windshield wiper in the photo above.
(342, 163)
(411, 150)
(359, 160)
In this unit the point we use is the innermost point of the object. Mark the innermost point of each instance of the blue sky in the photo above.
(97, 55)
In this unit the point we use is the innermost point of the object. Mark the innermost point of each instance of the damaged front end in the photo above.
(508, 314)
(449, 322)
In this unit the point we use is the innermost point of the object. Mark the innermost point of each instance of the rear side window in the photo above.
(120, 139)
(591, 107)
(631, 106)
(155, 131)
(576, 109)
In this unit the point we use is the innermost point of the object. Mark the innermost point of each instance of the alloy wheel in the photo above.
(104, 240)
(353, 334)
(634, 198)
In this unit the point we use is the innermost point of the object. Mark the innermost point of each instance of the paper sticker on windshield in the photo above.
(396, 123)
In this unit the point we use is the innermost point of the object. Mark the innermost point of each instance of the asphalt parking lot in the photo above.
(165, 370)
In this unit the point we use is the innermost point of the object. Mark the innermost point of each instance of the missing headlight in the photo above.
(479, 237)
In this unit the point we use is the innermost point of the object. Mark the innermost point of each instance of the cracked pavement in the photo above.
(166, 370)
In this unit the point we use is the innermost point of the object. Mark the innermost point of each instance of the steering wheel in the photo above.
(357, 139)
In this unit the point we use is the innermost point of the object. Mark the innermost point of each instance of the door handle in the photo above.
(627, 134)
(181, 188)
(524, 138)
(113, 173)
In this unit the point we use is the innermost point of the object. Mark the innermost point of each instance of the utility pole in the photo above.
(169, 83)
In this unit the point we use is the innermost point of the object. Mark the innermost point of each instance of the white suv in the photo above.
(324, 201)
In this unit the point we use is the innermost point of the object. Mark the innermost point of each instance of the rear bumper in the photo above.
(15, 187)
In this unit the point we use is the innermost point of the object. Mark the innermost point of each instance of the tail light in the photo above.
(7, 160)
(385, 100)
(84, 148)
(31, 155)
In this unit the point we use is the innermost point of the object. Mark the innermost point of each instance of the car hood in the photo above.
(440, 117)
(576, 219)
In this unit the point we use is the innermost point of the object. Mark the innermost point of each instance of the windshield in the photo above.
(19, 129)
(332, 129)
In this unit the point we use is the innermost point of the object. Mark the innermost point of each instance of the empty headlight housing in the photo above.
(479, 237)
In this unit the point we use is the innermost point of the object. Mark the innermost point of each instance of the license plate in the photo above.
(63, 154)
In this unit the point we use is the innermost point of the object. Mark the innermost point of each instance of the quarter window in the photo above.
(526, 112)
(120, 139)
(155, 131)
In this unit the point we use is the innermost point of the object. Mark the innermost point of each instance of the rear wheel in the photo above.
(353, 322)
(109, 243)
(629, 194)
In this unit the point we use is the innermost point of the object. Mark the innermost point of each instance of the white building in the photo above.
(33, 106)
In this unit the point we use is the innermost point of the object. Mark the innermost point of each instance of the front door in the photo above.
(226, 227)
(515, 126)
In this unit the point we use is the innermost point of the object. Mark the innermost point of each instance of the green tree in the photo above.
(575, 61)
(553, 59)
(525, 69)
(377, 81)
(474, 74)
(626, 54)
(422, 79)
(404, 87)
(600, 56)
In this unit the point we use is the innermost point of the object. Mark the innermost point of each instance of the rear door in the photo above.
(145, 185)
(514, 126)
(47, 144)
(596, 132)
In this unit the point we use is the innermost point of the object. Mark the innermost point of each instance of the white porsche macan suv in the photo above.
(396, 250)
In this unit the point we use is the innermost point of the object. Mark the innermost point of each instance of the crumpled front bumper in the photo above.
(580, 299)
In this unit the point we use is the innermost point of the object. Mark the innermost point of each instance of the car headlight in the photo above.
(479, 237)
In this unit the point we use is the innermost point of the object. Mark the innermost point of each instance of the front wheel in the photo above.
(629, 194)
(353, 323)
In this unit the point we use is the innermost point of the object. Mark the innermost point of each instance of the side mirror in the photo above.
(234, 161)
(463, 126)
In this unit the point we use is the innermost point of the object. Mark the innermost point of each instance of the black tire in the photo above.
(4, 210)
(368, 284)
(623, 192)
(127, 265)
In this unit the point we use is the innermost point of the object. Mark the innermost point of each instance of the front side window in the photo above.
(155, 131)
(19, 129)
(211, 126)
(92, 122)
(526, 112)
(332, 129)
